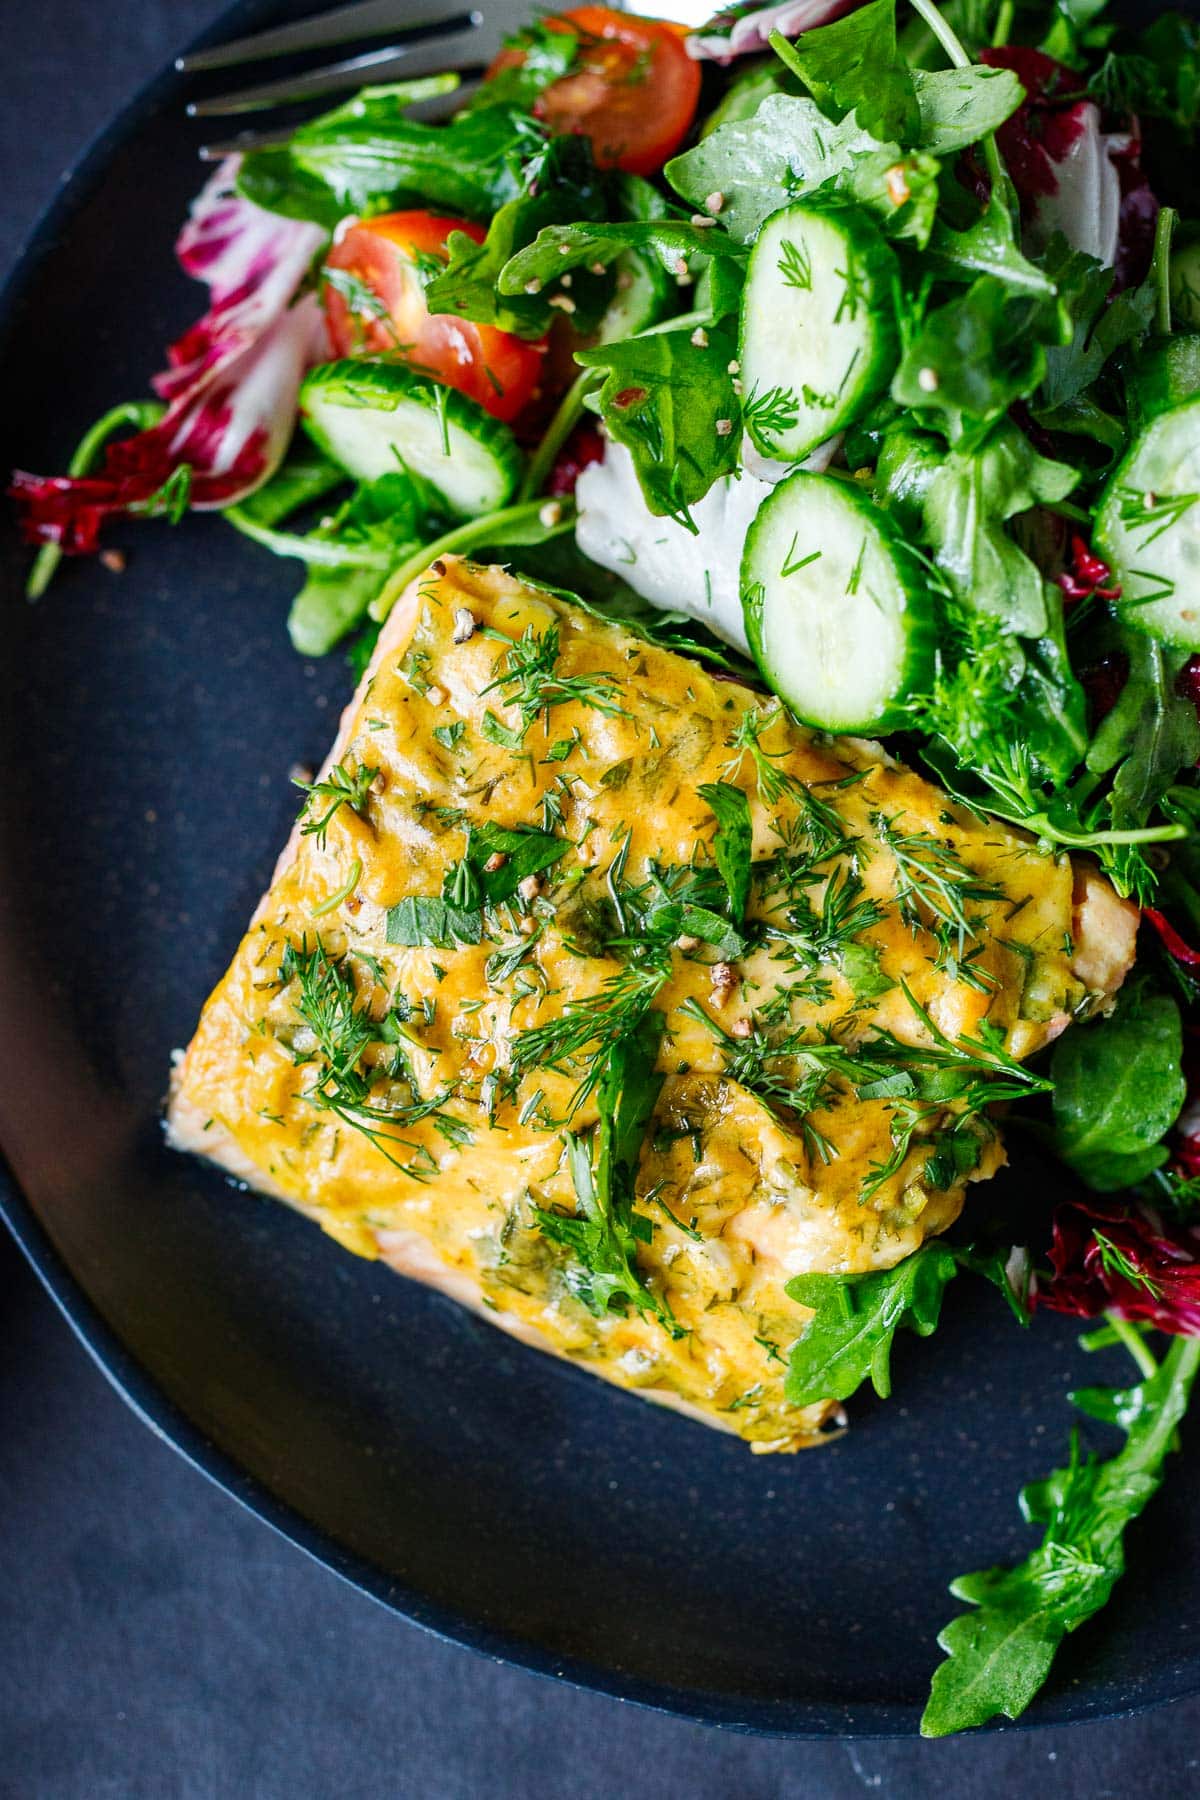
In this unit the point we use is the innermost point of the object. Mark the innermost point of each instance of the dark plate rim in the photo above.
(799, 1720)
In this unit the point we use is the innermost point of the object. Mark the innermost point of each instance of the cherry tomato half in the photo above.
(632, 90)
(381, 308)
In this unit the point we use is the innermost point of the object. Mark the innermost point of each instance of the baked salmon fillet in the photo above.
(593, 991)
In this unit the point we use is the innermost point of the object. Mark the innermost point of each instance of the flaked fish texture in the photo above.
(512, 868)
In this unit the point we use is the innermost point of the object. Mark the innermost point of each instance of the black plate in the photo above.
(502, 1499)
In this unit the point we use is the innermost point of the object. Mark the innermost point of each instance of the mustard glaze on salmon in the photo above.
(498, 728)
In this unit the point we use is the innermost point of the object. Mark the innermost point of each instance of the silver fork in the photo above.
(425, 45)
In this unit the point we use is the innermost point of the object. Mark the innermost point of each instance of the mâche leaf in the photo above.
(960, 106)
(1118, 1088)
(788, 149)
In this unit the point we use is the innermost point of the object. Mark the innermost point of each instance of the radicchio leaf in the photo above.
(1072, 176)
(1124, 1259)
(231, 383)
(743, 30)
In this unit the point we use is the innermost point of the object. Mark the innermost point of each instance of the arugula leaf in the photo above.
(604, 1233)
(1118, 1088)
(678, 246)
(559, 186)
(856, 1320)
(853, 65)
(1151, 733)
(421, 920)
(673, 404)
(305, 476)
(988, 246)
(349, 555)
(998, 1658)
(1099, 326)
(733, 841)
(975, 355)
(366, 156)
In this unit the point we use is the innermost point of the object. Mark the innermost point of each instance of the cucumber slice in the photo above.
(376, 417)
(837, 607)
(1185, 275)
(643, 296)
(1164, 373)
(1148, 528)
(819, 341)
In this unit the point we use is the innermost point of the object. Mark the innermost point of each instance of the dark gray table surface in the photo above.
(157, 1641)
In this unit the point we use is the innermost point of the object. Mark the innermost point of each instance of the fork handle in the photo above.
(365, 18)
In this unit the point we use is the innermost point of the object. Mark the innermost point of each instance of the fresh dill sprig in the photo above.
(341, 788)
(593, 1025)
(529, 679)
(772, 412)
(744, 739)
(768, 1065)
(328, 1003)
(959, 965)
(934, 884)
(798, 1074)
(814, 937)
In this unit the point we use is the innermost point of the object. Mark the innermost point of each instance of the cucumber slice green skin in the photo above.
(376, 417)
(1148, 528)
(819, 340)
(643, 296)
(1185, 276)
(838, 611)
(1164, 373)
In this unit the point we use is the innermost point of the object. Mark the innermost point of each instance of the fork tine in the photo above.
(433, 108)
(245, 140)
(365, 18)
(352, 73)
